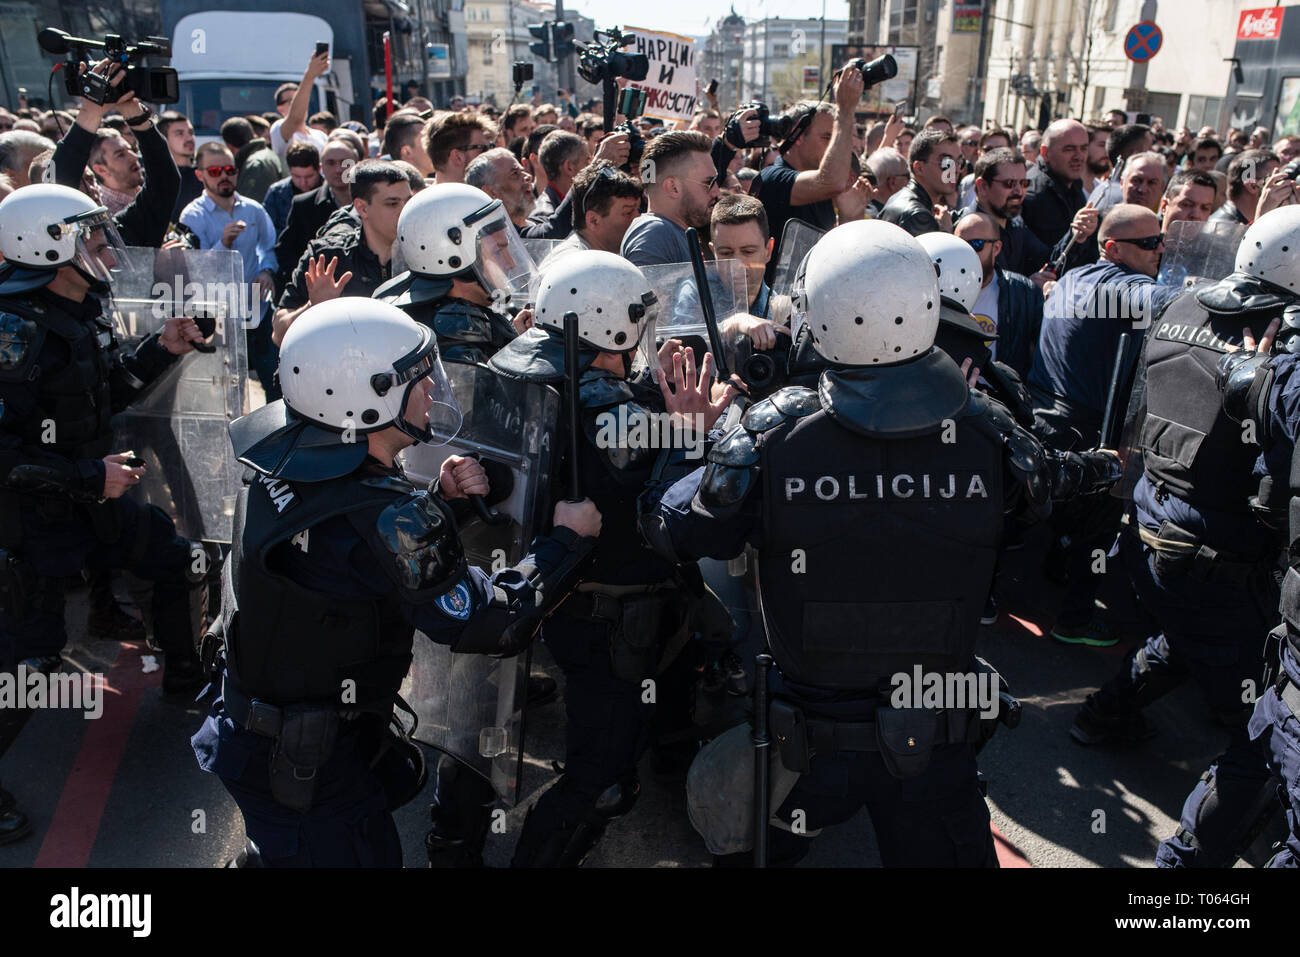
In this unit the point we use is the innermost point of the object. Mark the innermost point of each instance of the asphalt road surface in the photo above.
(124, 790)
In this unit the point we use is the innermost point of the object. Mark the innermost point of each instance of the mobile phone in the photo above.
(322, 48)
(900, 108)
(712, 88)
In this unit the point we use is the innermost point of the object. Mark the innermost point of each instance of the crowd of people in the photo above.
(1032, 258)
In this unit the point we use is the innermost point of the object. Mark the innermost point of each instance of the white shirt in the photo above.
(313, 136)
(986, 311)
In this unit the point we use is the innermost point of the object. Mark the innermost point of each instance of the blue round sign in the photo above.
(1143, 41)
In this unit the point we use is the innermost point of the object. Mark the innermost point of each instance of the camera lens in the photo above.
(759, 370)
(879, 70)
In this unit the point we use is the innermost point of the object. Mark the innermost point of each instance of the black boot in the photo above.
(14, 825)
(461, 813)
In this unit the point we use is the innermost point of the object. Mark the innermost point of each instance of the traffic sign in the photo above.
(1143, 41)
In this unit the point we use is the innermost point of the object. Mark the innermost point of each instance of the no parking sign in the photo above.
(1143, 41)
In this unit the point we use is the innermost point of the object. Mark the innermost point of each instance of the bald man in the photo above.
(1008, 305)
(1055, 191)
(1083, 319)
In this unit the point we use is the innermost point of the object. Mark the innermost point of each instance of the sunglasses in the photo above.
(218, 170)
(1012, 183)
(1149, 243)
(475, 148)
(979, 244)
(606, 173)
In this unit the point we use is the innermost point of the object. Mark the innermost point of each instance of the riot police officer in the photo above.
(63, 505)
(1200, 561)
(337, 558)
(629, 621)
(463, 261)
(1265, 391)
(894, 456)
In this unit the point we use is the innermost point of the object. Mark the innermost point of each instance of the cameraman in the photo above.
(814, 166)
(144, 220)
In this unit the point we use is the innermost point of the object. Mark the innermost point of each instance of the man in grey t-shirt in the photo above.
(681, 187)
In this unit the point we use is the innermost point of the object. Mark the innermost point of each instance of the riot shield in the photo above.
(1199, 252)
(796, 239)
(680, 314)
(1196, 253)
(178, 424)
(471, 706)
(541, 250)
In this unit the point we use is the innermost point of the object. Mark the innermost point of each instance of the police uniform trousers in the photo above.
(1213, 632)
(350, 822)
(60, 546)
(935, 819)
(1275, 725)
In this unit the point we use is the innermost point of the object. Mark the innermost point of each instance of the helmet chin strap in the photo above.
(98, 287)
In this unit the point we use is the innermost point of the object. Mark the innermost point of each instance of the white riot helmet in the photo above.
(1270, 249)
(612, 299)
(869, 295)
(452, 229)
(961, 275)
(45, 226)
(350, 364)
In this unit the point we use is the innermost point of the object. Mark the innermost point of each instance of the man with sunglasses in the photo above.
(924, 205)
(454, 140)
(1000, 185)
(222, 219)
(1009, 305)
(1083, 319)
(681, 186)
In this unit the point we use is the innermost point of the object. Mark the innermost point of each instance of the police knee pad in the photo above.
(1218, 832)
(617, 799)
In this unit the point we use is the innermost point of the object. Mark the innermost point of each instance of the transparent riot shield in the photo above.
(1199, 252)
(542, 250)
(471, 706)
(796, 240)
(178, 423)
(680, 313)
(1196, 253)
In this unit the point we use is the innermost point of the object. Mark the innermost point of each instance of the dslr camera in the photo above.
(631, 103)
(151, 84)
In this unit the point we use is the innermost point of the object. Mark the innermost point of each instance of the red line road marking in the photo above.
(76, 820)
(1008, 854)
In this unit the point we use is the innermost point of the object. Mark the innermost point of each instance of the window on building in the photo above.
(902, 20)
(780, 49)
(487, 52)
(1011, 15)
(1112, 15)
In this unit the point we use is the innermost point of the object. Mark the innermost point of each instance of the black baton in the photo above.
(721, 371)
(1120, 385)
(762, 664)
(573, 403)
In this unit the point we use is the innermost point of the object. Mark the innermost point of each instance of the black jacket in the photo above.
(1022, 251)
(1050, 203)
(345, 241)
(1020, 320)
(1228, 213)
(913, 209)
(307, 216)
(144, 222)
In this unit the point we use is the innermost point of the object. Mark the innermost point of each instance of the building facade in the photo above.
(497, 36)
(776, 52)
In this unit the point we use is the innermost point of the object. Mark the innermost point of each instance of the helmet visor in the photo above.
(100, 253)
(420, 396)
(502, 262)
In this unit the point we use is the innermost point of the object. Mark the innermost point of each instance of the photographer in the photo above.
(814, 166)
(144, 220)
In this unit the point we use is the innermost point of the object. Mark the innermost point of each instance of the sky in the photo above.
(696, 17)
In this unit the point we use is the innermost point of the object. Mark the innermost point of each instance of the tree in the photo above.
(786, 84)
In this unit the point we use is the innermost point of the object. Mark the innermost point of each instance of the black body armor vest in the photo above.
(286, 644)
(1191, 448)
(878, 546)
(466, 332)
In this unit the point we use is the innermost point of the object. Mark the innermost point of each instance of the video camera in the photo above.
(150, 83)
(605, 60)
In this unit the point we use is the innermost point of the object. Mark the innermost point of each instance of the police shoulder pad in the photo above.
(997, 414)
(426, 551)
(738, 449)
(723, 486)
(19, 342)
(796, 401)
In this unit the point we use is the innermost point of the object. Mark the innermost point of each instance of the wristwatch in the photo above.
(145, 118)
